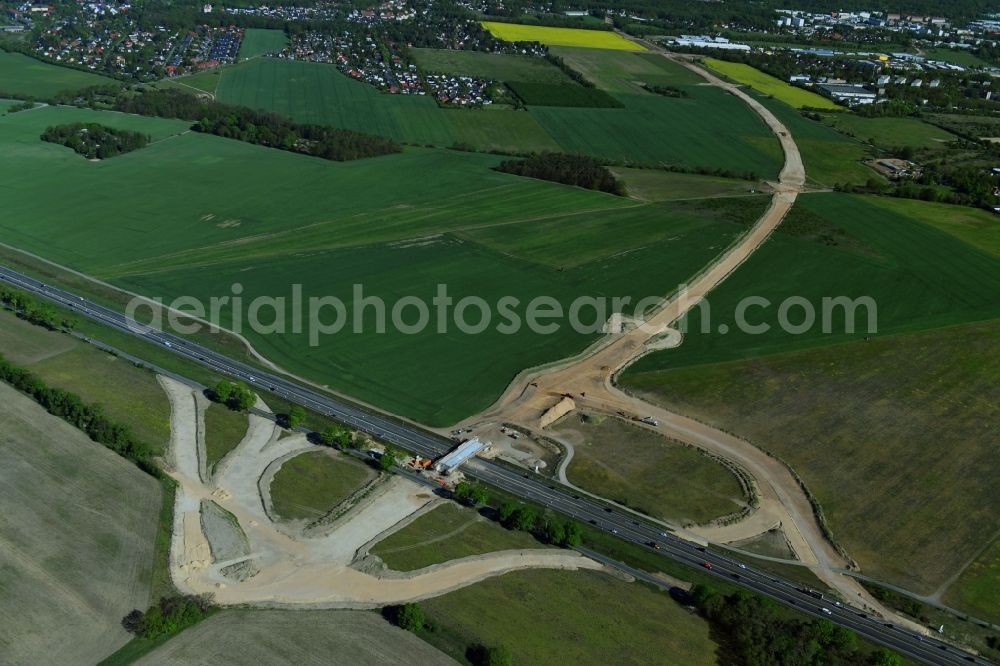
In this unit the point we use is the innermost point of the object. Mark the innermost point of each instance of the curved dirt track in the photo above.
(292, 569)
(589, 379)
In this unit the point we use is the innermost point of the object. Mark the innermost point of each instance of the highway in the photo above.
(521, 483)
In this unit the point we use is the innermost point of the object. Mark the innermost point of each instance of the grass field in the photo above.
(591, 39)
(447, 532)
(894, 436)
(207, 81)
(769, 85)
(495, 66)
(829, 156)
(76, 546)
(257, 42)
(977, 589)
(660, 185)
(267, 219)
(312, 92)
(622, 71)
(976, 227)
(307, 637)
(309, 485)
(224, 430)
(918, 276)
(957, 56)
(499, 129)
(94, 375)
(21, 75)
(891, 132)
(570, 94)
(550, 617)
(647, 472)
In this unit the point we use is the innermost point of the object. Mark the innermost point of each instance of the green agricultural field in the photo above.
(21, 75)
(661, 185)
(257, 42)
(224, 430)
(495, 66)
(976, 227)
(620, 71)
(891, 132)
(309, 485)
(533, 613)
(918, 277)
(76, 549)
(268, 219)
(501, 130)
(829, 156)
(94, 375)
(302, 637)
(312, 92)
(894, 436)
(647, 472)
(570, 94)
(719, 132)
(591, 39)
(976, 590)
(769, 85)
(447, 532)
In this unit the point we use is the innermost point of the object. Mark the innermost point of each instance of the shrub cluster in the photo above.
(578, 170)
(235, 395)
(95, 141)
(526, 518)
(666, 91)
(169, 616)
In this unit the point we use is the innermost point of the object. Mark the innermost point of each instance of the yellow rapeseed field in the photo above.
(593, 39)
(769, 85)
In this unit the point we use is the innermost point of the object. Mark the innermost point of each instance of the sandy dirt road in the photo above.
(292, 569)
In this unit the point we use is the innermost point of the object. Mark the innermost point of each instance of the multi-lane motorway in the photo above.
(523, 484)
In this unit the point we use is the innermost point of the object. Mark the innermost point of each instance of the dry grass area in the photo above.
(304, 638)
(76, 539)
(646, 471)
(896, 437)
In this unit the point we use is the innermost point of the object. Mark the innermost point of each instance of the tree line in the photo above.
(757, 634)
(88, 417)
(578, 170)
(257, 127)
(34, 311)
(95, 141)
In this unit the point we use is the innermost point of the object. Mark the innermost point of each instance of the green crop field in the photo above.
(976, 227)
(829, 156)
(894, 436)
(258, 42)
(719, 131)
(499, 129)
(312, 92)
(891, 132)
(957, 56)
(447, 532)
(660, 185)
(621, 71)
(918, 276)
(268, 219)
(224, 430)
(769, 85)
(94, 375)
(570, 94)
(21, 75)
(309, 485)
(533, 612)
(647, 472)
(207, 81)
(591, 39)
(495, 66)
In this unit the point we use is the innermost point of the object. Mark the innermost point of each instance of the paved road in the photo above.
(521, 483)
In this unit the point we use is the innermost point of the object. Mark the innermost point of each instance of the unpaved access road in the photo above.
(293, 569)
